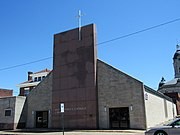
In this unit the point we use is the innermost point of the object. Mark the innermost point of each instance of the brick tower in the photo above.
(74, 79)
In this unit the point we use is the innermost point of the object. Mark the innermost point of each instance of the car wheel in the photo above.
(160, 133)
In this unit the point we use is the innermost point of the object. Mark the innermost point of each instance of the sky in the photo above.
(27, 29)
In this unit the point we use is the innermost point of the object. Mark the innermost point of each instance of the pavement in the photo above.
(74, 132)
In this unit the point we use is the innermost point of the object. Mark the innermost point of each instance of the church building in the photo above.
(95, 95)
(83, 92)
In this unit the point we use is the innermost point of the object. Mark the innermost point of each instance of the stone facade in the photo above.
(117, 89)
(39, 99)
(10, 112)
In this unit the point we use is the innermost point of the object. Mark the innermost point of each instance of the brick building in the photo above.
(5, 92)
(172, 87)
(33, 80)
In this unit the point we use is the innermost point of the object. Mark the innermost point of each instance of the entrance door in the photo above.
(119, 117)
(42, 119)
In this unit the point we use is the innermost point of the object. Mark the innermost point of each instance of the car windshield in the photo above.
(169, 122)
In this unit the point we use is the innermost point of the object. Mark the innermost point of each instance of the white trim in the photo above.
(39, 74)
(28, 84)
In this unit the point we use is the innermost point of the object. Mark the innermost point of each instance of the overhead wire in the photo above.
(24, 64)
(104, 42)
(140, 31)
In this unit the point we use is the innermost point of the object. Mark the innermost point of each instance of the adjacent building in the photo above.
(172, 87)
(33, 80)
(11, 109)
(5, 92)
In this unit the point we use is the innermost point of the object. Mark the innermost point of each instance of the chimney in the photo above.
(29, 77)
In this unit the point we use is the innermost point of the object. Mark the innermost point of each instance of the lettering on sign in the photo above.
(75, 109)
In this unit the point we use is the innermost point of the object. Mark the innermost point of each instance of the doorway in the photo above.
(42, 119)
(119, 118)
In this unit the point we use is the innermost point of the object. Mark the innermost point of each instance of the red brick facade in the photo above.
(176, 99)
(6, 93)
(74, 79)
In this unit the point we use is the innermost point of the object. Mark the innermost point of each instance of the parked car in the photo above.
(172, 127)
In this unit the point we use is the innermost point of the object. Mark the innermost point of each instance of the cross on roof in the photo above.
(79, 23)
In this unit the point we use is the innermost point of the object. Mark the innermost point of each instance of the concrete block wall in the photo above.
(40, 99)
(15, 104)
(19, 106)
(7, 122)
(117, 89)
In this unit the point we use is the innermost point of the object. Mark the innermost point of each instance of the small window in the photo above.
(43, 77)
(39, 78)
(8, 112)
(26, 92)
(35, 79)
(177, 123)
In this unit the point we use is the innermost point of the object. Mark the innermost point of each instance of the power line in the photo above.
(28, 63)
(111, 40)
(140, 31)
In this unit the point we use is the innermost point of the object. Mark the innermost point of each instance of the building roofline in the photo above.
(6, 89)
(119, 70)
(42, 71)
(147, 89)
(159, 94)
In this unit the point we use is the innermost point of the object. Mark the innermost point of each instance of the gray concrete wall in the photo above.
(7, 122)
(19, 105)
(15, 104)
(40, 99)
(117, 89)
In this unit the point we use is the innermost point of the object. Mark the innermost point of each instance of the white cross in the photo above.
(79, 23)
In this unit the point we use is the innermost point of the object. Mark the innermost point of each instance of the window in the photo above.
(7, 112)
(177, 123)
(43, 77)
(39, 78)
(26, 92)
(35, 79)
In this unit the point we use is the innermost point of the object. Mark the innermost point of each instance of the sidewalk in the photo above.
(74, 132)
